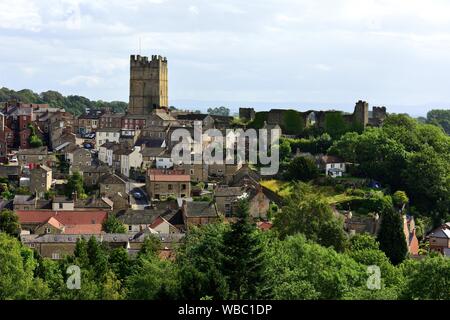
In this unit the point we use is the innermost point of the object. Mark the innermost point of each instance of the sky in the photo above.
(254, 53)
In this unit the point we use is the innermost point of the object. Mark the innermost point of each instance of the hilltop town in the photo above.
(345, 179)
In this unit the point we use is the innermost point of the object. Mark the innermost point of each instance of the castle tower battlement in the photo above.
(148, 84)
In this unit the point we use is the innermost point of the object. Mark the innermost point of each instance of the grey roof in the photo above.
(123, 151)
(9, 170)
(93, 169)
(149, 142)
(152, 152)
(441, 233)
(40, 151)
(200, 209)
(32, 201)
(62, 199)
(98, 203)
(228, 192)
(111, 179)
(132, 217)
(24, 200)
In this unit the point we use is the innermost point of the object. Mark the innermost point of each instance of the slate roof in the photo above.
(111, 179)
(200, 209)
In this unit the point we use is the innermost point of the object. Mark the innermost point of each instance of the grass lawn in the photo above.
(284, 189)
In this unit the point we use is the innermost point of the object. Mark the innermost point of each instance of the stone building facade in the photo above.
(148, 84)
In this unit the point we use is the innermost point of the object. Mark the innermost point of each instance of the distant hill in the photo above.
(73, 104)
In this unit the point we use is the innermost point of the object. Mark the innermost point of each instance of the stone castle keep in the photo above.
(148, 84)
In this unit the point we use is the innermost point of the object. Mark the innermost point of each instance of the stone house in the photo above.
(62, 203)
(129, 158)
(106, 135)
(92, 174)
(106, 151)
(27, 202)
(140, 220)
(40, 180)
(224, 171)
(111, 120)
(332, 166)
(197, 171)
(227, 198)
(149, 156)
(36, 156)
(439, 239)
(164, 183)
(111, 184)
(88, 122)
(199, 213)
(78, 157)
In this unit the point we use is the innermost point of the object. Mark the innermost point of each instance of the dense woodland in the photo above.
(73, 103)
(223, 261)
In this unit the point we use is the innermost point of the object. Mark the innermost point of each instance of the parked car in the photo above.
(137, 195)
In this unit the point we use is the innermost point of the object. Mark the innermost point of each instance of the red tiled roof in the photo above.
(64, 217)
(157, 222)
(55, 223)
(264, 225)
(83, 229)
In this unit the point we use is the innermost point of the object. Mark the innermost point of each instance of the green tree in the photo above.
(75, 184)
(16, 269)
(113, 225)
(400, 199)
(302, 169)
(199, 261)
(428, 278)
(9, 222)
(391, 236)
(244, 262)
(220, 111)
(309, 213)
(300, 269)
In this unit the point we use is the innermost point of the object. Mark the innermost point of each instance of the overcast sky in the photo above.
(262, 53)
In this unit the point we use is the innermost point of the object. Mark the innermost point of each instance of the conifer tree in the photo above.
(391, 236)
(243, 263)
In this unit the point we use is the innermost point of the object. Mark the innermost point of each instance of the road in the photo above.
(138, 203)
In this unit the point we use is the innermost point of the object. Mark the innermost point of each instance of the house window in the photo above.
(60, 205)
(130, 228)
(169, 187)
(55, 256)
(183, 187)
(47, 230)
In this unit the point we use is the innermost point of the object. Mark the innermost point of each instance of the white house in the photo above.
(130, 158)
(106, 135)
(164, 161)
(106, 150)
(333, 166)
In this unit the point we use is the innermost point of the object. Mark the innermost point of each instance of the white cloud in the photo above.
(194, 10)
(88, 81)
